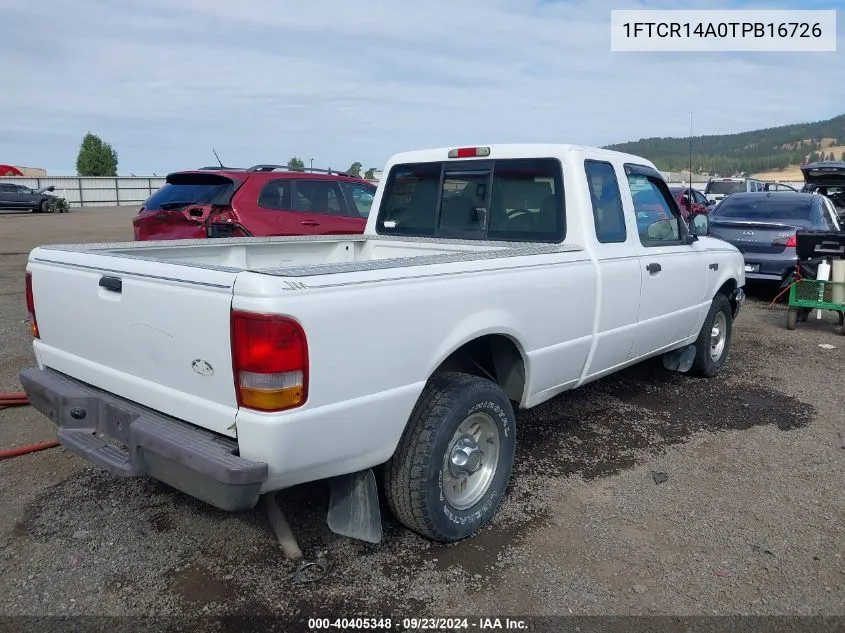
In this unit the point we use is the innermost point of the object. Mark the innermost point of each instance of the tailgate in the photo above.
(152, 332)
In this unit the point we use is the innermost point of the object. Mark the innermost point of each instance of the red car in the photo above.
(698, 204)
(263, 200)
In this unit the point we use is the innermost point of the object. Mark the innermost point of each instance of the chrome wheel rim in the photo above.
(718, 336)
(470, 462)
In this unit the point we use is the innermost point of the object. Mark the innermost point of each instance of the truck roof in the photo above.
(512, 150)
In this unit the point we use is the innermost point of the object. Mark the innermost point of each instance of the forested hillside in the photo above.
(747, 152)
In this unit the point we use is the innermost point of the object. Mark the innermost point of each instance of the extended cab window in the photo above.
(608, 215)
(658, 221)
(509, 200)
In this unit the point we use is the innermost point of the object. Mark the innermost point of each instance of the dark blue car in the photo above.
(763, 225)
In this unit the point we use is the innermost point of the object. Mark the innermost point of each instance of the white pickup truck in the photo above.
(488, 279)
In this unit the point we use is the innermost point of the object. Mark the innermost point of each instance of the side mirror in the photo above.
(700, 224)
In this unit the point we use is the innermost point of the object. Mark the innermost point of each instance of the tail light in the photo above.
(270, 361)
(788, 242)
(224, 223)
(222, 216)
(30, 306)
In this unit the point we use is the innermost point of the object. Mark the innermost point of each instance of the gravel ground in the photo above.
(748, 517)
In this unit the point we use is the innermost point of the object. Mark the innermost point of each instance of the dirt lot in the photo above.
(750, 521)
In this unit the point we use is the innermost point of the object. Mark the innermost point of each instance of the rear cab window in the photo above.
(500, 199)
(181, 190)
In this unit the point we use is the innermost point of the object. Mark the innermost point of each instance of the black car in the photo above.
(827, 179)
(21, 198)
(762, 226)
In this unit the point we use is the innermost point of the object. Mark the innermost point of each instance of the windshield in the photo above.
(183, 189)
(784, 210)
(726, 187)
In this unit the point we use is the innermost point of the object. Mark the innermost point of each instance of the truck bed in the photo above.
(311, 255)
(131, 317)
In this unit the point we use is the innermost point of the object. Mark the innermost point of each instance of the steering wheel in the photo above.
(515, 212)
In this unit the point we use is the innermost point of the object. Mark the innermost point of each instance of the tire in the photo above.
(46, 207)
(720, 315)
(791, 318)
(418, 478)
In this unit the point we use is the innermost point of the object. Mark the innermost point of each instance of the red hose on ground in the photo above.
(18, 399)
(13, 398)
(25, 450)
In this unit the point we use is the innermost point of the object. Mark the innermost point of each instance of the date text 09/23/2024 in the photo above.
(417, 624)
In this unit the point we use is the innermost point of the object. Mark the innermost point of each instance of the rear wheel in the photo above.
(791, 318)
(714, 339)
(450, 470)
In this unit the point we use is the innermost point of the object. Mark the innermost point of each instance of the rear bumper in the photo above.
(772, 267)
(131, 441)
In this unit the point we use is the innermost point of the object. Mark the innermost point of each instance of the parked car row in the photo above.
(763, 227)
(745, 213)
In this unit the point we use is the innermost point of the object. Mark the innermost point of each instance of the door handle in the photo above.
(654, 268)
(714, 266)
(309, 223)
(161, 216)
(113, 284)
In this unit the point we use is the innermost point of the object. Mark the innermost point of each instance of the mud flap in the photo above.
(680, 359)
(354, 506)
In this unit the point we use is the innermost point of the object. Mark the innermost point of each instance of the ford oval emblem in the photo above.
(203, 368)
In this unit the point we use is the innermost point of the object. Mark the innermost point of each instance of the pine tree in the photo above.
(96, 158)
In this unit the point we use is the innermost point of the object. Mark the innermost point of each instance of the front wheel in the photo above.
(714, 340)
(450, 470)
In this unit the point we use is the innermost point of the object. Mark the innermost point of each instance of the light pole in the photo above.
(312, 164)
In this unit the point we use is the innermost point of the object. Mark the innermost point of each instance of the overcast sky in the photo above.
(264, 80)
